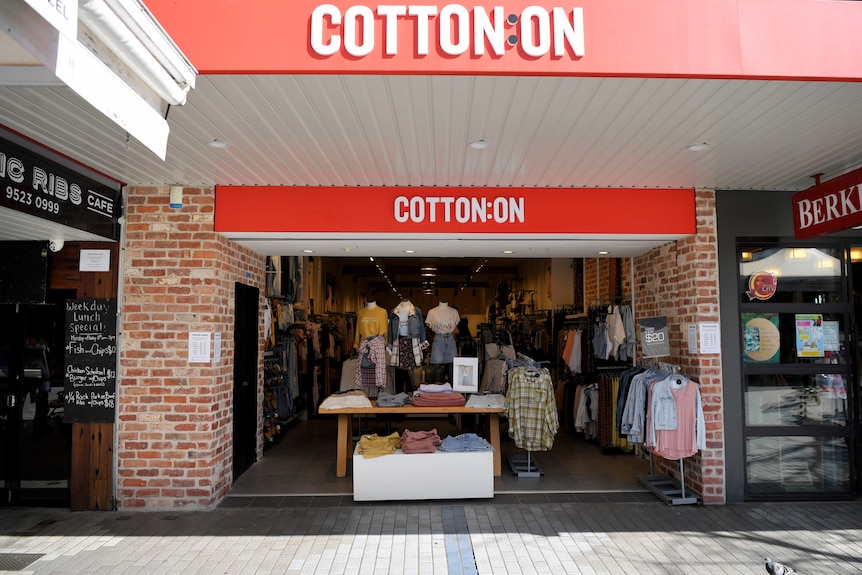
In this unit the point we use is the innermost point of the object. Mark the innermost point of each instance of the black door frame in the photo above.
(245, 374)
(17, 457)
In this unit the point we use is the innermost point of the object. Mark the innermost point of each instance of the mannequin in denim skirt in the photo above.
(443, 319)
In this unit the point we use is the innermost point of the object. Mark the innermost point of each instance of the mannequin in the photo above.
(372, 328)
(443, 320)
(406, 343)
(464, 339)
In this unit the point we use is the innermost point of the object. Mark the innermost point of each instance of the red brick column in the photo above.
(680, 281)
(175, 445)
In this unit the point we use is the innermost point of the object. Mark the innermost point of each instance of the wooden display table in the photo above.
(345, 415)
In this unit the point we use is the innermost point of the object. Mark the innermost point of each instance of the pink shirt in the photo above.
(686, 439)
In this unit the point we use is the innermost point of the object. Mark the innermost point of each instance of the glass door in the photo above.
(36, 444)
(798, 363)
(856, 283)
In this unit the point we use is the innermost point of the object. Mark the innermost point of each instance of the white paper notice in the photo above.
(217, 347)
(94, 260)
(692, 338)
(199, 346)
(710, 338)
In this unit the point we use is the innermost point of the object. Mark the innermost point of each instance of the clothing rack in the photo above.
(660, 365)
(667, 489)
(620, 300)
(522, 465)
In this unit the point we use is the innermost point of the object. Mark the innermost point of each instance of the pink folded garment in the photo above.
(451, 399)
(420, 441)
(409, 435)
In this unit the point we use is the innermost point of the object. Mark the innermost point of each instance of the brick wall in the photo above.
(679, 280)
(591, 272)
(175, 445)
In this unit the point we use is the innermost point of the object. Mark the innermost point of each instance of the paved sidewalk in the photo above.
(438, 538)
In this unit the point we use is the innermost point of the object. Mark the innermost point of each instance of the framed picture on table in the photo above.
(465, 373)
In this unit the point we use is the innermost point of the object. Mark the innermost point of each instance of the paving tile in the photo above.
(423, 538)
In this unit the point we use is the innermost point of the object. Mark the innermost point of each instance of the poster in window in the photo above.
(760, 338)
(831, 336)
(809, 335)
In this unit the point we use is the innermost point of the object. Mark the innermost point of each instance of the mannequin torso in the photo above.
(443, 318)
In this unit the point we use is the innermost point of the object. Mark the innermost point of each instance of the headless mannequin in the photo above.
(403, 380)
(372, 322)
(407, 340)
(443, 320)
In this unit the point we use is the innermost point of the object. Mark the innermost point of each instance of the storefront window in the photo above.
(797, 360)
(791, 275)
(796, 400)
(798, 465)
(802, 338)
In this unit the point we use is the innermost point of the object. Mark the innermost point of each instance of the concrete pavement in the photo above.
(552, 534)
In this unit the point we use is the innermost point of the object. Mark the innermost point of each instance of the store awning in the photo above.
(112, 53)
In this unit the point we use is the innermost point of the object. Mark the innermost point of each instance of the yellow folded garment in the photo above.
(374, 446)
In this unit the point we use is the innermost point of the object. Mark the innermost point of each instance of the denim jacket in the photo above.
(415, 324)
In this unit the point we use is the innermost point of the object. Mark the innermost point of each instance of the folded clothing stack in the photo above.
(373, 445)
(419, 441)
(445, 399)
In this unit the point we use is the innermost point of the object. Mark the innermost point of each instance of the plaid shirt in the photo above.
(394, 353)
(531, 409)
(376, 351)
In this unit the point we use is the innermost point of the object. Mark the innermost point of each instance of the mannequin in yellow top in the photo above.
(370, 321)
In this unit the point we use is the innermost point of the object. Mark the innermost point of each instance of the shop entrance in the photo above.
(35, 444)
(312, 358)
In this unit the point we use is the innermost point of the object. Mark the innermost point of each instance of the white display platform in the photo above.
(417, 476)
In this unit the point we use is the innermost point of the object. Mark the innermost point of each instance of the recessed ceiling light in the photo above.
(698, 147)
(220, 144)
(409, 251)
(603, 253)
(508, 252)
(308, 251)
(480, 144)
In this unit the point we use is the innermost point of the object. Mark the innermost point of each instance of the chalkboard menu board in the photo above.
(90, 380)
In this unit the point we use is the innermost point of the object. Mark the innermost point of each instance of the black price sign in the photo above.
(90, 380)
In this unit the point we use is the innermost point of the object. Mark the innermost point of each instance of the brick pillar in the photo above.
(175, 417)
(680, 281)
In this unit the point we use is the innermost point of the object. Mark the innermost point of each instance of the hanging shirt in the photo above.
(532, 409)
(616, 330)
(689, 434)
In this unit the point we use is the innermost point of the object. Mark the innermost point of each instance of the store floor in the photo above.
(301, 464)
